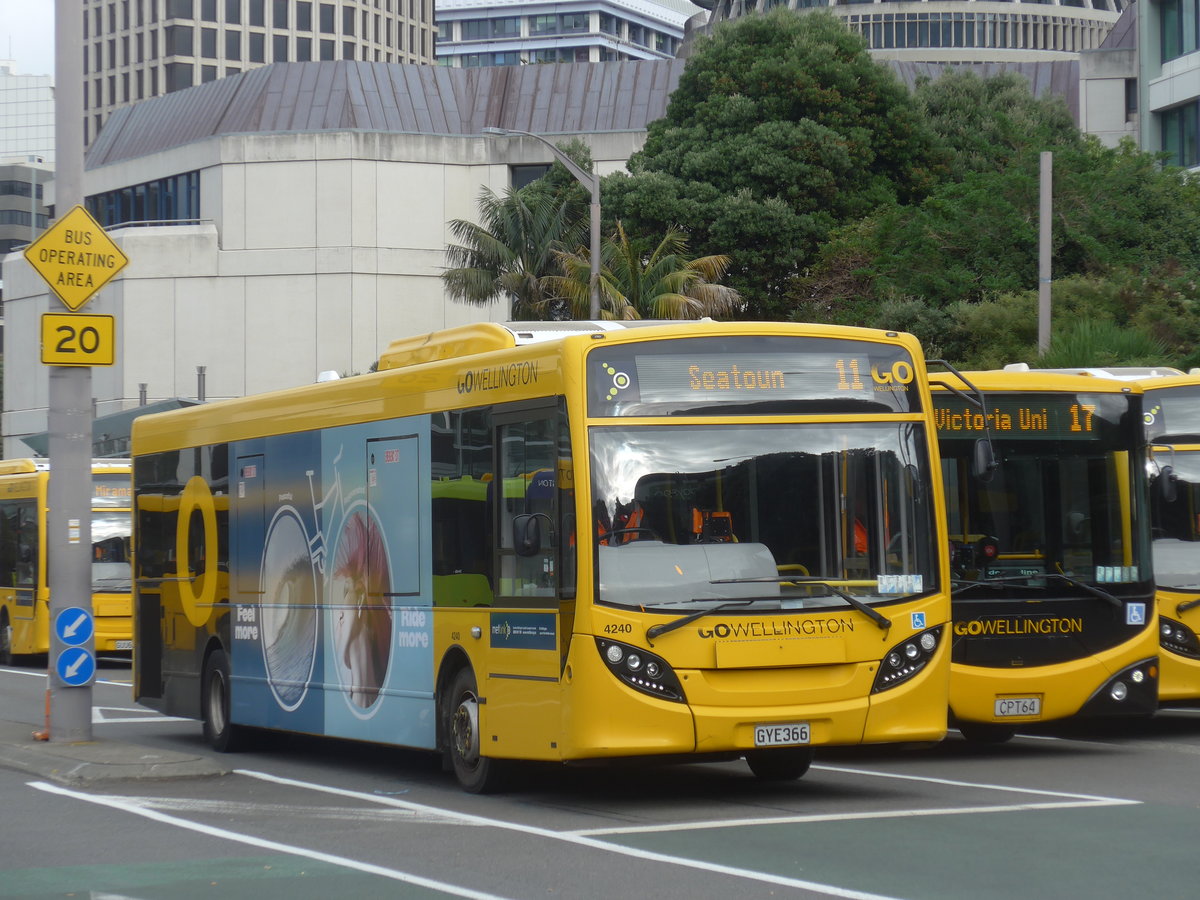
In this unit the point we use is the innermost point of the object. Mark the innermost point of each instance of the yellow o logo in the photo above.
(199, 596)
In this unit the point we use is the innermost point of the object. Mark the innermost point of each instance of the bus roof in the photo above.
(1048, 380)
(1120, 373)
(25, 466)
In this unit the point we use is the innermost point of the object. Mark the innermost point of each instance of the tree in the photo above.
(511, 251)
(781, 128)
(664, 283)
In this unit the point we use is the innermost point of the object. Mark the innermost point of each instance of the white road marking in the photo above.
(978, 785)
(579, 840)
(394, 874)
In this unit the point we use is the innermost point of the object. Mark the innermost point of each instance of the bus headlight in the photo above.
(905, 660)
(1178, 638)
(640, 670)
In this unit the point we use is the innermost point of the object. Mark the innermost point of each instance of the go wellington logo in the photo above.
(498, 377)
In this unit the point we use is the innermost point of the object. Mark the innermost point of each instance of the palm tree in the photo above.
(511, 251)
(665, 284)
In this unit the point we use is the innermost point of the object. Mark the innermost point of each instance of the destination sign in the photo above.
(1032, 416)
(664, 377)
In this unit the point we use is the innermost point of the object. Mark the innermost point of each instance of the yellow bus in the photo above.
(558, 541)
(24, 574)
(1053, 604)
(1172, 417)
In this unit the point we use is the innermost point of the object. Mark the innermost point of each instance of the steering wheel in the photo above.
(637, 529)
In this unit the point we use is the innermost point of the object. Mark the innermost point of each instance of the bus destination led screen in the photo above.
(647, 382)
(1041, 417)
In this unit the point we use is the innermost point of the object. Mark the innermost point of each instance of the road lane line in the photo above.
(578, 839)
(849, 817)
(316, 855)
(973, 784)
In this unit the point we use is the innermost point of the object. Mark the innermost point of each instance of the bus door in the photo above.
(529, 633)
(28, 571)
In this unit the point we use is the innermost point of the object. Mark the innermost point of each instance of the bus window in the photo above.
(528, 488)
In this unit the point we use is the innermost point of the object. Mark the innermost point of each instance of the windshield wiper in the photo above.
(998, 582)
(663, 627)
(1185, 605)
(873, 614)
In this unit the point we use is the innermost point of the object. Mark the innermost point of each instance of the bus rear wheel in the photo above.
(460, 712)
(779, 765)
(219, 730)
(6, 654)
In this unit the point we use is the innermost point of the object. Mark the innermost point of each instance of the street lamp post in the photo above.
(589, 180)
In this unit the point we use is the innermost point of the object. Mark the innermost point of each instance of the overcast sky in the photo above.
(27, 35)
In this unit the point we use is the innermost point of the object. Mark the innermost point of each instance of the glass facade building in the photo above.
(481, 33)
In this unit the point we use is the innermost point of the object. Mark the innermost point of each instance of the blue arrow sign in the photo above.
(75, 666)
(74, 626)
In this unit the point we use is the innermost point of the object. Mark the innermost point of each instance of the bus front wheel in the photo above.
(219, 731)
(779, 765)
(460, 704)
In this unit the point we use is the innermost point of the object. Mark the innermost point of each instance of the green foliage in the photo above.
(659, 283)
(510, 253)
(1098, 342)
(782, 127)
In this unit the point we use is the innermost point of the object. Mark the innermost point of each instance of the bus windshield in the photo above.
(111, 531)
(1176, 531)
(789, 516)
(1064, 502)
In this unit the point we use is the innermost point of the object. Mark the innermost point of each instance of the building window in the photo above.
(347, 49)
(303, 16)
(257, 50)
(511, 58)
(179, 76)
(327, 19)
(164, 200)
(179, 40)
(279, 14)
(327, 48)
(508, 27)
(475, 29)
(207, 74)
(303, 49)
(574, 22)
(279, 48)
(208, 43)
(609, 24)
(233, 12)
(1177, 28)
(1180, 139)
(543, 25)
(208, 10)
(178, 9)
(348, 22)
(445, 31)
(233, 45)
(523, 175)
(257, 14)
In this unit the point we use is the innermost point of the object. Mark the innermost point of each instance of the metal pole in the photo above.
(200, 383)
(1044, 228)
(69, 700)
(591, 181)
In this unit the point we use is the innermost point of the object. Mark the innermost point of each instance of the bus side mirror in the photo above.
(984, 464)
(1168, 484)
(527, 535)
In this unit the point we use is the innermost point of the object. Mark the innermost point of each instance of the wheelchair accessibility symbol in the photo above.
(1135, 614)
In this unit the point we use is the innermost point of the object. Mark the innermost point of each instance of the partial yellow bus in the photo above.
(25, 583)
(1053, 605)
(1173, 430)
(566, 542)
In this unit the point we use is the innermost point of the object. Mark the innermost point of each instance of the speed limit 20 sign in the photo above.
(78, 340)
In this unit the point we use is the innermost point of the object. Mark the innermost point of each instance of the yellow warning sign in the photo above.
(76, 257)
(78, 340)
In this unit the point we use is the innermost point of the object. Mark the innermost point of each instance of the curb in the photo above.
(94, 762)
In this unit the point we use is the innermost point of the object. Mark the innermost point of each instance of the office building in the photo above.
(517, 32)
(26, 115)
(137, 49)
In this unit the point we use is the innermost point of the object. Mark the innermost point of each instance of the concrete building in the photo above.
(137, 49)
(294, 218)
(959, 31)
(1108, 84)
(516, 32)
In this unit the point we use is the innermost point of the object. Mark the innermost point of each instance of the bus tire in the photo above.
(460, 712)
(219, 731)
(779, 765)
(6, 654)
(986, 732)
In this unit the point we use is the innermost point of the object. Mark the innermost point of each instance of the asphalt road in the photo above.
(1099, 811)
